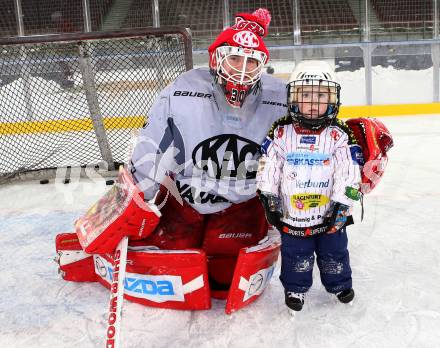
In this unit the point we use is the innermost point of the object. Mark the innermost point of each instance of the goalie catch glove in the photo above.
(272, 208)
(337, 217)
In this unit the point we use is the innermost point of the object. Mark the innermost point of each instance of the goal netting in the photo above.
(74, 99)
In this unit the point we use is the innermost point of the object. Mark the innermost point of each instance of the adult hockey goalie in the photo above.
(196, 160)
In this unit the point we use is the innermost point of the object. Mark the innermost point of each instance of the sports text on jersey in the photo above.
(308, 159)
(191, 94)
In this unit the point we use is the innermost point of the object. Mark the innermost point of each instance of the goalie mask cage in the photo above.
(74, 99)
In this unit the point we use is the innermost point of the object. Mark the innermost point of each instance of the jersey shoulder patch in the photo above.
(283, 121)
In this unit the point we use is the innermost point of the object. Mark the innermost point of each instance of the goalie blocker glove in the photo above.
(120, 212)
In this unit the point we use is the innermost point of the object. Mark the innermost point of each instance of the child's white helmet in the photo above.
(315, 77)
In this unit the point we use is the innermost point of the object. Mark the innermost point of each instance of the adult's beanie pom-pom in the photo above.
(264, 16)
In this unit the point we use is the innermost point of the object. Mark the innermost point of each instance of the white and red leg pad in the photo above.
(253, 271)
(174, 279)
(74, 263)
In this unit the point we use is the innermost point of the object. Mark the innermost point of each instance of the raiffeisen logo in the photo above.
(308, 159)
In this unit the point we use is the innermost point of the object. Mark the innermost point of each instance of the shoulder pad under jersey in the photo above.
(346, 129)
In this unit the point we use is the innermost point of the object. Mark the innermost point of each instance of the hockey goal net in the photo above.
(74, 99)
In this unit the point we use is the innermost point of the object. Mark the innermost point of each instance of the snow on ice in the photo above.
(394, 256)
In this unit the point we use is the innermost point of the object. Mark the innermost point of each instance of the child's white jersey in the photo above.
(309, 169)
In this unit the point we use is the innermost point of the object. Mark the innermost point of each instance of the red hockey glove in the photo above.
(375, 141)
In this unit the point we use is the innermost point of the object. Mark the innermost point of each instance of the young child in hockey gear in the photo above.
(308, 180)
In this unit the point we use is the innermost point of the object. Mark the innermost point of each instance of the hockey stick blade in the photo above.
(116, 295)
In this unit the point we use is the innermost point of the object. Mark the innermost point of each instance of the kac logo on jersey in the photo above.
(335, 135)
(227, 156)
(308, 159)
(280, 132)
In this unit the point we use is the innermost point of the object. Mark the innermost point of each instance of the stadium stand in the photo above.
(139, 15)
(327, 15)
(205, 18)
(320, 20)
(406, 14)
(281, 11)
(8, 23)
(47, 17)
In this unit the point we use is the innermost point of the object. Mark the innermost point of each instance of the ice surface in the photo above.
(394, 255)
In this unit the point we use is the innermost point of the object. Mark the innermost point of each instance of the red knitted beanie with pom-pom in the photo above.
(247, 32)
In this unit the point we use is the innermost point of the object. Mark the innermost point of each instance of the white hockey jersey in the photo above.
(309, 169)
(210, 149)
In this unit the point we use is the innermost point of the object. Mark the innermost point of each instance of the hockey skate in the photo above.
(294, 301)
(345, 296)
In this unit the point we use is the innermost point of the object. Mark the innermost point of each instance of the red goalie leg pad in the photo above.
(74, 263)
(253, 272)
(175, 279)
(227, 232)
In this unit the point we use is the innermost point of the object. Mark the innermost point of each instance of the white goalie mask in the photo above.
(313, 94)
(238, 70)
(240, 65)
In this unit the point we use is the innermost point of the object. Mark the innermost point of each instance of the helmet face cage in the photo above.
(313, 103)
(240, 65)
(238, 70)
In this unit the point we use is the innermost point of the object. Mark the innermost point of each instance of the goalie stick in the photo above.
(116, 295)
